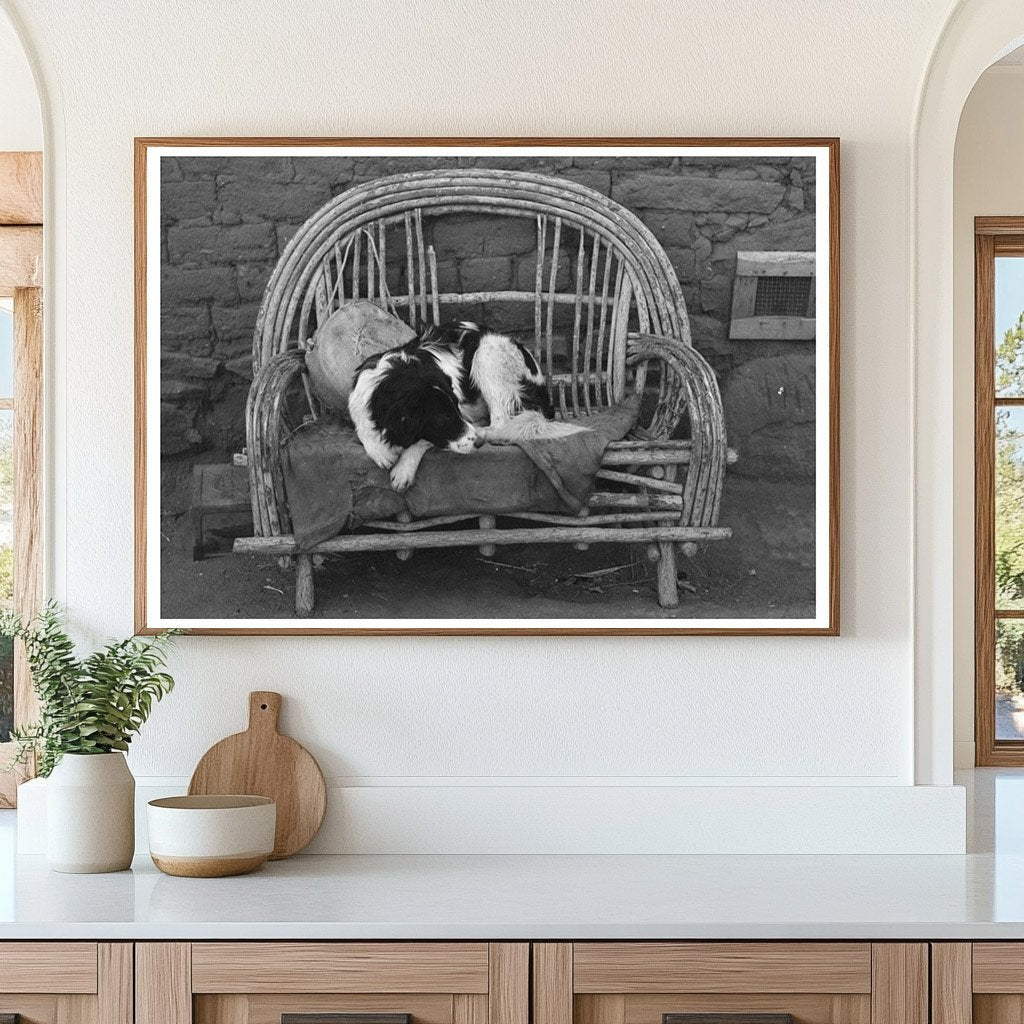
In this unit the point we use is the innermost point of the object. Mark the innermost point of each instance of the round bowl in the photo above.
(211, 836)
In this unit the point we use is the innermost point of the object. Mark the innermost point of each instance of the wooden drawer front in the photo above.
(812, 982)
(310, 967)
(258, 982)
(67, 982)
(998, 967)
(55, 967)
(722, 967)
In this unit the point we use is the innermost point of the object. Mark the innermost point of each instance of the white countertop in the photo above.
(977, 896)
(496, 897)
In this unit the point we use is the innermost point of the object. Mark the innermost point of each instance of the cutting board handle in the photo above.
(264, 710)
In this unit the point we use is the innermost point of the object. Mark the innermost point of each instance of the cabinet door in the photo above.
(730, 983)
(65, 983)
(332, 983)
(981, 982)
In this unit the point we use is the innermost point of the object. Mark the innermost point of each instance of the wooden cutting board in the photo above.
(262, 762)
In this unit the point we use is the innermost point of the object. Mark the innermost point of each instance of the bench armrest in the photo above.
(688, 386)
(264, 409)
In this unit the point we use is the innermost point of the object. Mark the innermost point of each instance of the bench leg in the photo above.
(303, 586)
(668, 583)
(406, 553)
(667, 573)
(197, 535)
(488, 523)
(197, 513)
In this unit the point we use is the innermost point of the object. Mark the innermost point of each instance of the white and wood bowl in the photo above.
(211, 836)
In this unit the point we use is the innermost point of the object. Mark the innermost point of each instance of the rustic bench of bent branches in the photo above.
(629, 329)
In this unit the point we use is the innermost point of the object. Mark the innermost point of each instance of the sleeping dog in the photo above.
(450, 388)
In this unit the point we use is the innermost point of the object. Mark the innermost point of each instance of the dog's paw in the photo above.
(402, 477)
(382, 456)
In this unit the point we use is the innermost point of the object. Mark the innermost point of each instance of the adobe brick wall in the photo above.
(226, 220)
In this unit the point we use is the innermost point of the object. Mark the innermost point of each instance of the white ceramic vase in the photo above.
(90, 814)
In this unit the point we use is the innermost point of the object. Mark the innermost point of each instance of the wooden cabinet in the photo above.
(750, 982)
(512, 983)
(66, 982)
(309, 982)
(978, 983)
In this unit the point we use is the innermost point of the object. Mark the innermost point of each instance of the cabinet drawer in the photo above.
(65, 967)
(332, 983)
(998, 967)
(66, 982)
(634, 967)
(730, 983)
(340, 967)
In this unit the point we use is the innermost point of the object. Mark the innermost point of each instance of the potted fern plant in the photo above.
(90, 708)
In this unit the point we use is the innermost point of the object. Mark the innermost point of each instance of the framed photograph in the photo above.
(501, 386)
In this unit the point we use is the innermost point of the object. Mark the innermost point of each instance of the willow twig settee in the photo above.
(608, 315)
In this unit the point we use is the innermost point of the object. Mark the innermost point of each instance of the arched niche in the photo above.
(975, 35)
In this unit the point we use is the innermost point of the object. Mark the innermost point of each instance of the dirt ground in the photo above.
(765, 570)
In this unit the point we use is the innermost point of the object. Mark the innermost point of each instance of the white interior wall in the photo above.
(445, 715)
(987, 182)
(21, 126)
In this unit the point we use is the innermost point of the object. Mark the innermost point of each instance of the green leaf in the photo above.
(89, 705)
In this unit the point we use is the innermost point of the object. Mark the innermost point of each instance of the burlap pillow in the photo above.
(357, 330)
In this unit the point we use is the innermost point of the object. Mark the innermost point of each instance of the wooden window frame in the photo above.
(21, 278)
(993, 236)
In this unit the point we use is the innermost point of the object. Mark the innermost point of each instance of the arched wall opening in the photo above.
(988, 158)
(21, 121)
(976, 35)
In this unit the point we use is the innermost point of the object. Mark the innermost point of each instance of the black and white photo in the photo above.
(457, 386)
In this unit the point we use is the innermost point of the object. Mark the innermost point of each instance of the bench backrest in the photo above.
(599, 273)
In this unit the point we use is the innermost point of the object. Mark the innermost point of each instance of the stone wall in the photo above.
(226, 220)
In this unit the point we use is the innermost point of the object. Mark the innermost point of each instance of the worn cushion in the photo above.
(354, 332)
(332, 485)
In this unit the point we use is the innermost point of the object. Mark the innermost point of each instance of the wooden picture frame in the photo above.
(658, 537)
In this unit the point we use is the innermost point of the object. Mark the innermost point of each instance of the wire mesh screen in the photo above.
(782, 296)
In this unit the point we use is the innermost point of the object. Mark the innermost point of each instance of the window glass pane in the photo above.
(6, 349)
(1009, 531)
(6, 566)
(1009, 679)
(6, 690)
(1009, 323)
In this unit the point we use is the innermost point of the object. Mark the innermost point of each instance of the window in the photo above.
(6, 510)
(773, 297)
(21, 365)
(999, 490)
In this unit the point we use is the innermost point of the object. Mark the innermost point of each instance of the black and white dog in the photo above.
(451, 388)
